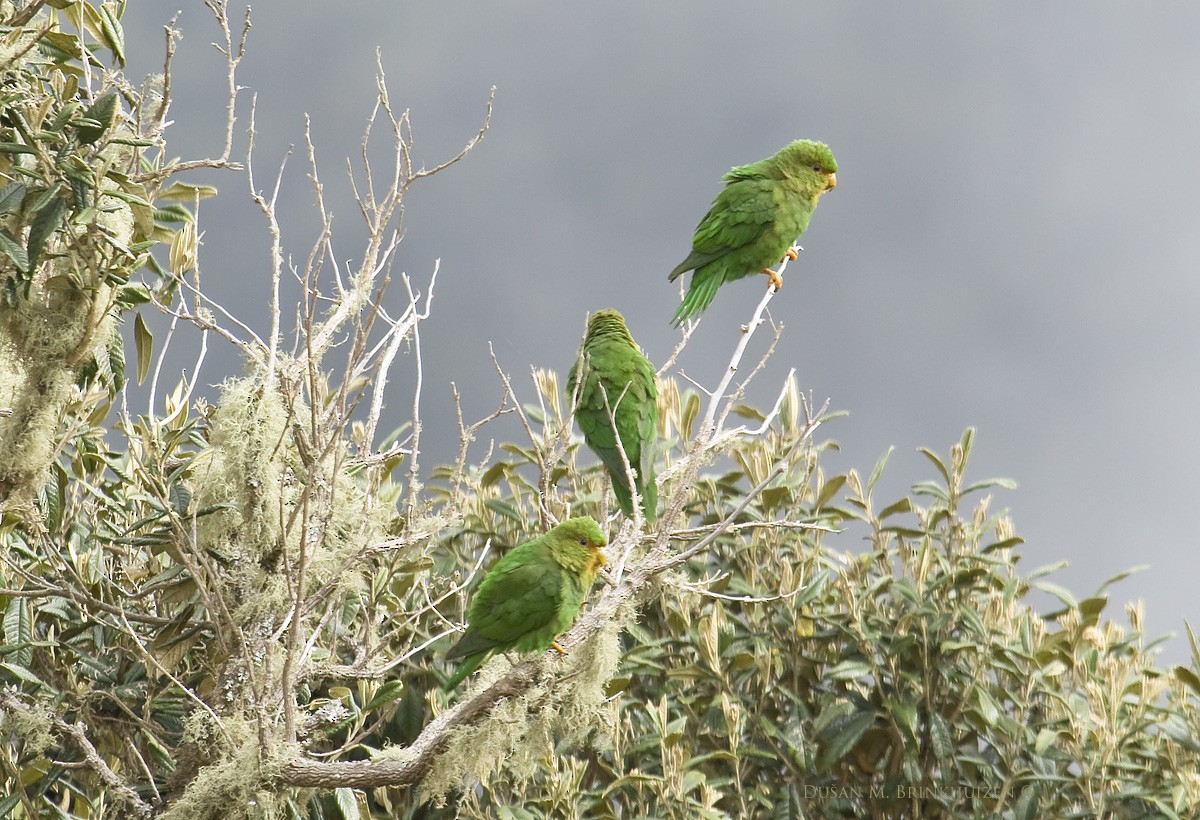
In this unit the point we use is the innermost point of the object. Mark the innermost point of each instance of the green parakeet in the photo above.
(531, 595)
(615, 369)
(761, 211)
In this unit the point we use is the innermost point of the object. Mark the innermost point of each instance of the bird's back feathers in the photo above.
(617, 389)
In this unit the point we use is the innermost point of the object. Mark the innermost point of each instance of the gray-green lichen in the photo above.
(517, 735)
(254, 468)
(234, 785)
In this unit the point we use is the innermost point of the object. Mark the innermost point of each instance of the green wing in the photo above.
(515, 608)
(742, 212)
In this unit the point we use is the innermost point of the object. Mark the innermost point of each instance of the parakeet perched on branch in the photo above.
(616, 389)
(761, 211)
(531, 595)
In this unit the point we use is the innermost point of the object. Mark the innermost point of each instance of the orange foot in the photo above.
(793, 253)
(554, 645)
(776, 279)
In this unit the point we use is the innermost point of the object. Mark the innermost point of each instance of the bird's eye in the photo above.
(817, 166)
(583, 541)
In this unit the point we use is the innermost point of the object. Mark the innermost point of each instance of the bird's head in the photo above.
(808, 158)
(583, 532)
(605, 323)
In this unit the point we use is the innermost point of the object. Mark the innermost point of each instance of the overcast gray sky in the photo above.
(1012, 243)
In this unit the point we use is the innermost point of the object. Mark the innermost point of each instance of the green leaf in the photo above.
(494, 473)
(111, 33)
(747, 411)
(503, 508)
(81, 192)
(937, 462)
(8, 804)
(173, 213)
(966, 443)
(1028, 804)
(906, 717)
(849, 669)
(18, 631)
(987, 483)
(18, 670)
(143, 342)
(1059, 592)
(813, 589)
(841, 736)
(1045, 737)
(45, 223)
(691, 409)
(1193, 643)
(902, 506)
(116, 358)
(988, 708)
(1121, 576)
(11, 196)
(1187, 676)
(186, 192)
(878, 471)
(97, 118)
(931, 488)
(1090, 608)
(180, 497)
(1013, 541)
(347, 803)
(828, 490)
(13, 249)
(1047, 569)
(55, 495)
(133, 294)
(940, 737)
(390, 691)
(64, 116)
(775, 496)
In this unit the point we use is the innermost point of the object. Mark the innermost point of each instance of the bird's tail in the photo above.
(465, 668)
(624, 496)
(649, 493)
(699, 295)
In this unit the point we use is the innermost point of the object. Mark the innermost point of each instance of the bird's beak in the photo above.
(831, 183)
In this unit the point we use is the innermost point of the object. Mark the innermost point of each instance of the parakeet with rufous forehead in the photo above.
(754, 221)
(531, 596)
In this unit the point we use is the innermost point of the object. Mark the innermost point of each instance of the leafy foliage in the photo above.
(912, 679)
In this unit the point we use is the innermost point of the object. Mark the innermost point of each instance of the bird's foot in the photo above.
(554, 645)
(776, 279)
(793, 253)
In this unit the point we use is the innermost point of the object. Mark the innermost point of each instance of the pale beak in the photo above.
(832, 183)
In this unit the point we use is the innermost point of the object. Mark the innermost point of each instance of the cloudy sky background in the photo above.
(1012, 243)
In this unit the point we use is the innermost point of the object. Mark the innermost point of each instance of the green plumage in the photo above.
(531, 595)
(614, 369)
(761, 211)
